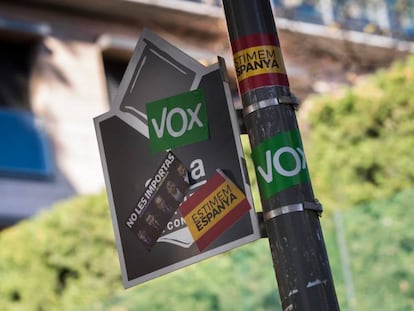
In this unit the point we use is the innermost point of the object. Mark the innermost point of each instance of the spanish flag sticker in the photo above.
(259, 62)
(214, 208)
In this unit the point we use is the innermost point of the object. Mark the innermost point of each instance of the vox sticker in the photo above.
(177, 121)
(280, 163)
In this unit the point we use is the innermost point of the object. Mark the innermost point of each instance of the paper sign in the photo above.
(156, 72)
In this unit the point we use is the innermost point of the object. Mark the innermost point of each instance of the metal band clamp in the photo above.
(291, 208)
(260, 105)
(287, 209)
(285, 100)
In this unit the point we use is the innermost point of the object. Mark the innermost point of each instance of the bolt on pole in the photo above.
(290, 210)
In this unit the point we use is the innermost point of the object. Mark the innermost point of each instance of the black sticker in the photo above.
(161, 198)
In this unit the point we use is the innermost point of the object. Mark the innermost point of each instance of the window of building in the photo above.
(114, 71)
(24, 147)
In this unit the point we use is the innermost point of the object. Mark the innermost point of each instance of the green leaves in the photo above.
(61, 259)
(380, 240)
(360, 143)
(242, 279)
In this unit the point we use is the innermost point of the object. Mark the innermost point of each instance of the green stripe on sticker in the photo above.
(280, 163)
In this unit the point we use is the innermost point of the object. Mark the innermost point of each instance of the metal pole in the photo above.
(290, 210)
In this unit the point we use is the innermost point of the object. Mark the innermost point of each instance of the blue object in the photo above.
(407, 33)
(24, 147)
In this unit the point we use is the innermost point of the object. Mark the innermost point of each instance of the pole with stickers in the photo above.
(290, 211)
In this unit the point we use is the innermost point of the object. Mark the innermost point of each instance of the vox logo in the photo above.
(177, 121)
(280, 163)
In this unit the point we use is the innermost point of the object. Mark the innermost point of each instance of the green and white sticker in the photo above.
(177, 121)
(280, 163)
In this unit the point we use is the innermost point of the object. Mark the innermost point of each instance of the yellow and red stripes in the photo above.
(211, 210)
(258, 62)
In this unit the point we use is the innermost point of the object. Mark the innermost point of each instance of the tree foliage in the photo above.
(66, 259)
(360, 142)
(242, 279)
(63, 258)
(380, 239)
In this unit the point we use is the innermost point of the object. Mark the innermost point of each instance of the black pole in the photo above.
(290, 210)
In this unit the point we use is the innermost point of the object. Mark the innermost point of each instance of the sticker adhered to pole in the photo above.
(258, 62)
(211, 210)
(280, 163)
(177, 121)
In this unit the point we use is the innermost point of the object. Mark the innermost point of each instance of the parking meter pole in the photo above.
(290, 210)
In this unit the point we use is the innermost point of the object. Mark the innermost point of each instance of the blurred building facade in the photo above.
(62, 60)
(394, 18)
